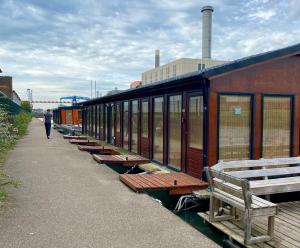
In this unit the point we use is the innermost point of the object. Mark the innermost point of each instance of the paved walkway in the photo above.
(67, 200)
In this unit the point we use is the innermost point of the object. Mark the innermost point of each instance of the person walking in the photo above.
(47, 121)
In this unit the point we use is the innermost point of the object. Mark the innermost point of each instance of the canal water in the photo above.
(190, 216)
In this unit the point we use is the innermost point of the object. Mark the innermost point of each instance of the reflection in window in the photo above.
(125, 125)
(195, 137)
(158, 129)
(95, 121)
(276, 126)
(91, 121)
(118, 115)
(174, 129)
(145, 110)
(112, 124)
(134, 126)
(102, 119)
(234, 127)
(98, 121)
(106, 119)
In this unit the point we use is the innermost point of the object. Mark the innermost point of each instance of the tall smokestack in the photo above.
(206, 31)
(157, 59)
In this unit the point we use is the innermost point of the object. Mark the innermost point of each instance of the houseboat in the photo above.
(245, 109)
(67, 115)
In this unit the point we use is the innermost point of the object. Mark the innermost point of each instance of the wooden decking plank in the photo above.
(282, 229)
(131, 184)
(153, 180)
(281, 234)
(159, 179)
(283, 240)
(140, 186)
(163, 180)
(186, 180)
(148, 181)
(143, 182)
(149, 184)
(181, 181)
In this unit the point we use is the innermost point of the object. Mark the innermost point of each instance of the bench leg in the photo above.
(271, 224)
(211, 208)
(247, 227)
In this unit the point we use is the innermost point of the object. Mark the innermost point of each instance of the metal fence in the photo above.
(10, 106)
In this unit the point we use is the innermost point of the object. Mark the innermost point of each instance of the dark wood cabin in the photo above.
(245, 109)
(67, 115)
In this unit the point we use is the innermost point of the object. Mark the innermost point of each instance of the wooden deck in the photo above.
(83, 142)
(105, 150)
(177, 183)
(125, 160)
(75, 137)
(287, 227)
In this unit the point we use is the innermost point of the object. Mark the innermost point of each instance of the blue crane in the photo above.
(75, 98)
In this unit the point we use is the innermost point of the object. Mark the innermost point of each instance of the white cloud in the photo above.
(57, 47)
(264, 15)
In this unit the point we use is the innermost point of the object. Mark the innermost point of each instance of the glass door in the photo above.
(145, 146)
(194, 135)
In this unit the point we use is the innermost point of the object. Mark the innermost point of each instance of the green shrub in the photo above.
(12, 127)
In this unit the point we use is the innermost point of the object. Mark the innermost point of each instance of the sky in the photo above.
(56, 47)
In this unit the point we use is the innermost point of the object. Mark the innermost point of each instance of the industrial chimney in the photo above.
(206, 31)
(157, 58)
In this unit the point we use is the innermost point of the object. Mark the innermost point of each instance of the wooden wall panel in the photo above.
(280, 76)
(195, 162)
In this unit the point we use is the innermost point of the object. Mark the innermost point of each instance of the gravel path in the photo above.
(67, 200)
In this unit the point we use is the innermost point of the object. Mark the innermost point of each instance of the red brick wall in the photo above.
(6, 86)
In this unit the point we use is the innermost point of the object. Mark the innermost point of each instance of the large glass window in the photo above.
(125, 125)
(106, 121)
(174, 135)
(118, 120)
(134, 126)
(102, 120)
(276, 126)
(98, 121)
(158, 129)
(112, 124)
(91, 120)
(95, 120)
(195, 122)
(145, 118)
(234, 127)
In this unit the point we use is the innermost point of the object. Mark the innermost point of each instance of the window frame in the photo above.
(252, 99)
(292, 105)
(130, 124)
(181, 132)
(152, 127)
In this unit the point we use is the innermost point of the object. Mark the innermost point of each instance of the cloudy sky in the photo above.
(56, 47)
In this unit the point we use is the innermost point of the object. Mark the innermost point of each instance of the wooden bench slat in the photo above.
(242, 164)
(265, 172)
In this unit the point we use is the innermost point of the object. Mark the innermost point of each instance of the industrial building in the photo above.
(185, 65)
(245, 109)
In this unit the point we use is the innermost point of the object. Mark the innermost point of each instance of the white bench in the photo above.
(285, 173)
(236, 193)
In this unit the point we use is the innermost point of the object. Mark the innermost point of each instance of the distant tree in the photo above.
(26, 106)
